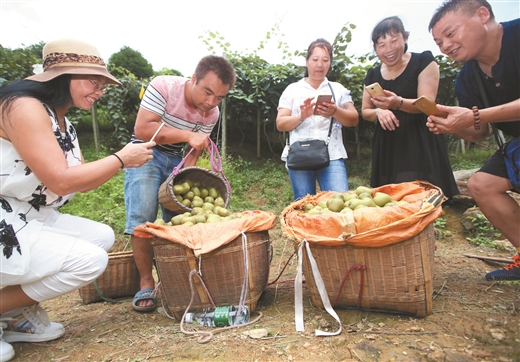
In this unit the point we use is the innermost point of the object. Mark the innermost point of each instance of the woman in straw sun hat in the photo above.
(45, 254)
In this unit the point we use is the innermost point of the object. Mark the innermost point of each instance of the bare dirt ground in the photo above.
(472, 320)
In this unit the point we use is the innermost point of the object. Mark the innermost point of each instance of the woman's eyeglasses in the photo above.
(98, 87)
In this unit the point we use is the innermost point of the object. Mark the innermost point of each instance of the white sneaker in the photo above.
(6, 350)
(30, 324)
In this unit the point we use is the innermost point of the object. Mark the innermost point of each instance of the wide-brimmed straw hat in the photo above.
(71, 56)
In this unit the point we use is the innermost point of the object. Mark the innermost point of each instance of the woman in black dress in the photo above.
(403, 148)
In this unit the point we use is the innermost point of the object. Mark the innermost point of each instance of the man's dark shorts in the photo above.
(496, 166)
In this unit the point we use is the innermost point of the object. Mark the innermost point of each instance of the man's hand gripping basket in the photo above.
(210, 178)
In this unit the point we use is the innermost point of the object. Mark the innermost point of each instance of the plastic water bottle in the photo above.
(219, 316)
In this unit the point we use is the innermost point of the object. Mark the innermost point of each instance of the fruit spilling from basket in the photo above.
(192, 194)
(206, 203)
(351, 201)
(200, 215)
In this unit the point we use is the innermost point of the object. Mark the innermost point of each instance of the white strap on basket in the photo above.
(245, 286)
(298, 293)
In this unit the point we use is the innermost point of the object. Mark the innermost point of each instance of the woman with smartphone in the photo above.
(302, 115)
(403, 148)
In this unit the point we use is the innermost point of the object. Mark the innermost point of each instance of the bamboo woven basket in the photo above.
(398, 278)
(120, 279)
(222, 271)
(206, 177)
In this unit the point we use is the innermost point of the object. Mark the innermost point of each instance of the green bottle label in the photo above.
(221, 316)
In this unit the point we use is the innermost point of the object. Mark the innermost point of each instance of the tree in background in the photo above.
(352, 78)
(253, 102)
(351, 72)
(166, 71)
(18, 63)
(251, 106)
(449, 69)
(133, 61)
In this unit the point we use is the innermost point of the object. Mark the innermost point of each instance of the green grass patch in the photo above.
(483, 233)
(474, 158)
(262, 185)
(441, 225)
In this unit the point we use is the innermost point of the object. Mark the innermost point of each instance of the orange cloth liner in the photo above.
(369, 226)
(204, 238)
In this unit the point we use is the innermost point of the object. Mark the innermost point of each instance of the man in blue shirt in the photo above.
(466, 30)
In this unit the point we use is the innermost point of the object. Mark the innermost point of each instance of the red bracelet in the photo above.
(476, 118)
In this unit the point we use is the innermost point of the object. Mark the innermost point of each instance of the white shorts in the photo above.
(68, 255)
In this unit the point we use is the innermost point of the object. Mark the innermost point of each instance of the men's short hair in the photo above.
(220, 66)
(467, 7)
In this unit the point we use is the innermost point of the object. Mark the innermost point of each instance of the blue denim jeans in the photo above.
(331, 178)
(142, 187)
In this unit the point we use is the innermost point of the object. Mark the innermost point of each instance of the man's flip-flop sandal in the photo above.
(145, 294)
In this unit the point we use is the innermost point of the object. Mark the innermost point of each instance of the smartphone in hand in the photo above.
(375, 90)
(322, 98)
(427, 106)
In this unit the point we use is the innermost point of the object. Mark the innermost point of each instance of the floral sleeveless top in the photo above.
(26, 204)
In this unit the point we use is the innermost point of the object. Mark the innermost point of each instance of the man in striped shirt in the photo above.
(189, 109)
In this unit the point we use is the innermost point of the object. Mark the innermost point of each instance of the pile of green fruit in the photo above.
(352, 200)
(192, 194)
(208, 213)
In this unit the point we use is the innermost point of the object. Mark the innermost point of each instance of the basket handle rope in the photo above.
(178, 168)
(102, 296)
(107, 299)
(96, 285)
(361, 268)
(205, 336)
(214, 161)
(214, 157)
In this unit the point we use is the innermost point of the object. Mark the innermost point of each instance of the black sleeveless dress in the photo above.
(411, 152)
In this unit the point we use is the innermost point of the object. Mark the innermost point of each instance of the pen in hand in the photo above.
(156, 132)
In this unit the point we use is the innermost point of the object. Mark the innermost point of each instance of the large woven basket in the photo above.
(120, 279)
(208, 178)
(396, 278)
(222, 271)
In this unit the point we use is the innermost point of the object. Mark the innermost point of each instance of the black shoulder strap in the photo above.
(476, 71)
(331, 120)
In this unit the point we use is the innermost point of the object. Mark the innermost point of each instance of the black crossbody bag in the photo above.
(310, 154)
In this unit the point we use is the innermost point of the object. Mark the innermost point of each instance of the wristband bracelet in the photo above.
(120, 160)
(400, 103)
(476, 118)
(299, 118)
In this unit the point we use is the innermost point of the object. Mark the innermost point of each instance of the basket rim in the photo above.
(174, 175)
